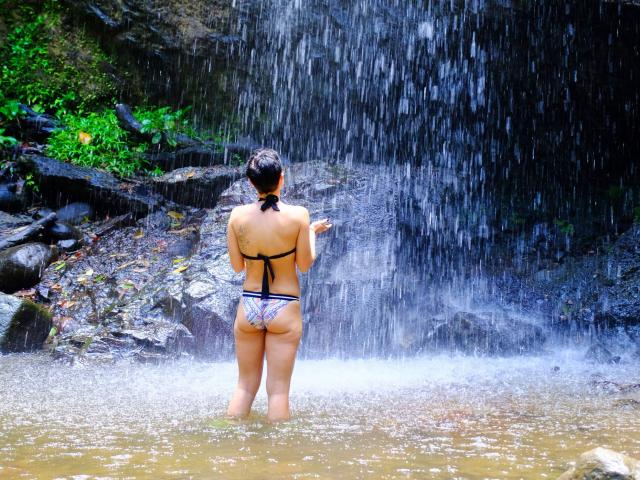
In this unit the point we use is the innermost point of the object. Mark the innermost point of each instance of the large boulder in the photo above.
(62, 182)
(197, 187)
(22, 266)
(603, 464)
(23, 324)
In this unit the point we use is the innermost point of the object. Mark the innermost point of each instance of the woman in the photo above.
(269, 238)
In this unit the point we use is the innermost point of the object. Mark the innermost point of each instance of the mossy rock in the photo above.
(24, 325)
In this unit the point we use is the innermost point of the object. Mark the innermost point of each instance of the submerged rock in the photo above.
(61, 182)
(598, 353)
(22, 266)
(23, 324)
(197, 187)
(481, 334)
(603, 464)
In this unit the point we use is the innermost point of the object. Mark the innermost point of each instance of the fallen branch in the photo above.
(28, 233)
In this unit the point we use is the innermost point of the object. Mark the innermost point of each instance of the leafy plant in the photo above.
(564, 226)
(96, 140)
(163, 123)
(48, 67)
(9, 110)
(636, 214)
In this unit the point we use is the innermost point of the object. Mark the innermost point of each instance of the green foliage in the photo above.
(47, 66)
(30, 182)
(164, 124)
(9, 110)
(96, 140)
(636, 214)
(615, 192)
(565, 226)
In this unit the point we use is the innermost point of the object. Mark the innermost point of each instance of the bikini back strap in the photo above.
(268, 269)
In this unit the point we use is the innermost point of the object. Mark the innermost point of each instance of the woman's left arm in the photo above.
(235, 256)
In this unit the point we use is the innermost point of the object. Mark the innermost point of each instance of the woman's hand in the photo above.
(320, 226)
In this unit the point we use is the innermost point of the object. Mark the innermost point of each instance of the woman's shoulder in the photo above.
(297, 210)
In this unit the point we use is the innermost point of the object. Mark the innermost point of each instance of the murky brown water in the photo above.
(440, 418)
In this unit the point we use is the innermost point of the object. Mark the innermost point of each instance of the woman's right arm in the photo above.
(306, 245)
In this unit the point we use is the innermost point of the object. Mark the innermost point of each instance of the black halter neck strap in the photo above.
(270, 200)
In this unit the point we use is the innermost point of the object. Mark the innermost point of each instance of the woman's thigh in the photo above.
(250, 344)
(281, 343)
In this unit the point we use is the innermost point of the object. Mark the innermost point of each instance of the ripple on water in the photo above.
(437, 417)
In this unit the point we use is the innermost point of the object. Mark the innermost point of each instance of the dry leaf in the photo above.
(178, 260)
(84, 138)
(138, 234)
(175, 215)
(181, 269)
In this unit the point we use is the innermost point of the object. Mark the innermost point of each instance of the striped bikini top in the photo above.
(270, 201)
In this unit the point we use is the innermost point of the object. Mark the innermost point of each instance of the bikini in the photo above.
(262, 307)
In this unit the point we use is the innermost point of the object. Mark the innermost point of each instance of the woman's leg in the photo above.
(250, 355)
(281, 345)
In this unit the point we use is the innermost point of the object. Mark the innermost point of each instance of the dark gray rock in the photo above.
(493, 333)
(70, 245)
(10, 201)
(33, 126)
(619, 300)
(64, 231)
(24, 325)
(22, 266)
(199, 155)
(598, 353)
(42, 213)
(75, 213)
(9, 223)
(61, 182)
(129, 122)
(198, 187)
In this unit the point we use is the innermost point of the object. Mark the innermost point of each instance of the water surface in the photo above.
(437, 417)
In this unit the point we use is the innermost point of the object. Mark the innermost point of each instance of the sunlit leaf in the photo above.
(175, 215)
(181, 269)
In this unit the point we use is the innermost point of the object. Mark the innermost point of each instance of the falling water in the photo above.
(460, 116)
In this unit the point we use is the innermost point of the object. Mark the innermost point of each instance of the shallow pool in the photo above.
(438, 417)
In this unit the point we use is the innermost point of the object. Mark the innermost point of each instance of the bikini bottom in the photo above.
(260, 312)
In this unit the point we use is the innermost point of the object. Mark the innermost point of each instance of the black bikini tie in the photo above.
(270, 200)
(268, 269)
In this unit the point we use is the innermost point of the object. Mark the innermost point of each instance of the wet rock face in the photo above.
(61, 182)
(22, 266)
(603, 464)
(164, 40)
(488, 334)
(23, 324)
(620, 298)
(344, 290)
(197, 187)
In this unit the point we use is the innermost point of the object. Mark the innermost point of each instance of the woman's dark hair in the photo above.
(264, 169)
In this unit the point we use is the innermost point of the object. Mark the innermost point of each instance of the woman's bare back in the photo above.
(270, 233)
